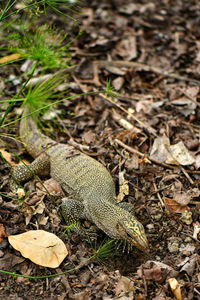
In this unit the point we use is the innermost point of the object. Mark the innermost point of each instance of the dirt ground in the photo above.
(148, 136)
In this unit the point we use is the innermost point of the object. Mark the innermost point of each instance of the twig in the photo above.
(158, 162)
(132, 150)
(142, 124)
(186, 174)
(144, 67)
(158, 195)
(191, 99)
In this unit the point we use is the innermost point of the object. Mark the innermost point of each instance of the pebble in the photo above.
(186, 217)
(173, 247)
(157, 217)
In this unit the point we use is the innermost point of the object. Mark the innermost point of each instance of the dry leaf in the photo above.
(125, 288)
(41, 247)
(38, 208)
(172, 206)
(9, 58)
(181, 154)
(175, 287)
(190, 265)
(7, 156)
(123, 187)
(155, 273)
(2, 233)
(175, 154)
(196, 231)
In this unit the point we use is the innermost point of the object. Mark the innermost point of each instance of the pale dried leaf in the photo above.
(2, 233)
(7, 156)
(118, 83)
(175, 154)
(181, 154)
(123, 187)
(182, 198)
(196, 231)
(20, 193)
(189, 265)
(175, 287)
(51, 185)
(41, 247)
(42, 220)
(9, 58)
(125, 288)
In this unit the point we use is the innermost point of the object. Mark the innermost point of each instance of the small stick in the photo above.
(191, 99)
(132, 150)
(158, 195)
(142, 66)
(146, 126)
(158, 162)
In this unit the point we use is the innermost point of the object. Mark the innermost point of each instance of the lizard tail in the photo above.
(30, 135)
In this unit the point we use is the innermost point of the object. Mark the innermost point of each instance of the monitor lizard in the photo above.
(84, 178)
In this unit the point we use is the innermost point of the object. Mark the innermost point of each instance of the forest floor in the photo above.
(148, 135)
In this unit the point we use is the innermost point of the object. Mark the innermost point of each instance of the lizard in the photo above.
(84, 178)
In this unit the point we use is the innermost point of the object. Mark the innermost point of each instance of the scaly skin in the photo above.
(85, 179)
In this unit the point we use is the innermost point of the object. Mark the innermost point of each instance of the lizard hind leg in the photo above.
(40, 166)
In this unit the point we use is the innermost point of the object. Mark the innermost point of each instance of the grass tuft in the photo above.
(45, 45)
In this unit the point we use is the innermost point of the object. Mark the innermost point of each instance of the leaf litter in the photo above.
(159, 84)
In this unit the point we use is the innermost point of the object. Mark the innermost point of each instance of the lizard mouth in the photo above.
(141, 244)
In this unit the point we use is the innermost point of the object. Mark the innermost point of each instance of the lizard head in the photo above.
(131, 230)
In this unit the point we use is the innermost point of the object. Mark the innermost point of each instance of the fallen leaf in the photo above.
(172, 206)
(125, 288)
(30, 210)
(155, 273)
(171, 154)
(42, 220)
(8, 261)
(180, 154)
(123, 187)
(182, 198)
(175, 287)
(118, 83)
(9, 58)
(2, 233)
(189, 265)
(196, 231)
(7, 156)
(41, 247)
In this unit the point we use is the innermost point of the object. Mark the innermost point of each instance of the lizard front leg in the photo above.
(40, 166)
(73, 210)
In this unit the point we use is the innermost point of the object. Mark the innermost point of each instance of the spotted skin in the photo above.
(83, 178)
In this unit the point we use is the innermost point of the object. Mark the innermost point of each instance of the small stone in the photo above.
(157, 217)
(173, 247)
(186, 253)
(150, 227)
(186, 217)
(118, 83)
(158, 258)
(187, 239)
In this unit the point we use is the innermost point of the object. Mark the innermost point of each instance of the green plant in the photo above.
(34, 7)
(45, 45)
